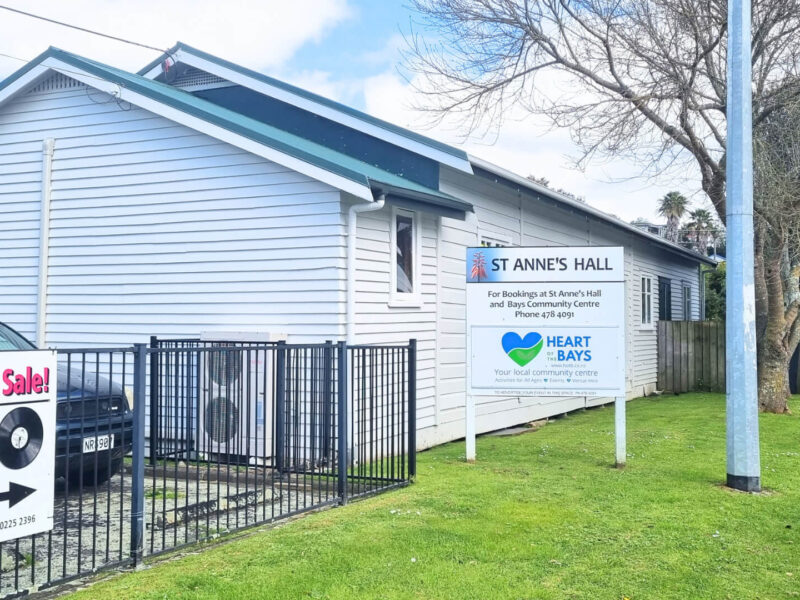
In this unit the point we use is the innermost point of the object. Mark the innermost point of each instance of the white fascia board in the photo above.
(29, 79)
(342, 183)
(318, 109)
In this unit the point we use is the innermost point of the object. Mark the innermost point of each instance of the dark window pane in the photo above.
(405, 254)
(644, 308)
(687, 303)
(664, 299)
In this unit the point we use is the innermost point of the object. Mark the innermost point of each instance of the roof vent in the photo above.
(197, 79)
(59, 81)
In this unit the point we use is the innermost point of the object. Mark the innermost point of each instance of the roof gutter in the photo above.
(352, 222)
(416, 200)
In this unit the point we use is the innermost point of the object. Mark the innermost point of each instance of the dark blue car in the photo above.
(94, 422)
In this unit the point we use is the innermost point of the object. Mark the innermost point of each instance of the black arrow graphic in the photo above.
(16, 493)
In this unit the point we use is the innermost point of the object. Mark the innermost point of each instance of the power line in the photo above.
(62, 69)
(84, 29)
(14, 57)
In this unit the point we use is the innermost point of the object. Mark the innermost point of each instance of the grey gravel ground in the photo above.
(92, 530)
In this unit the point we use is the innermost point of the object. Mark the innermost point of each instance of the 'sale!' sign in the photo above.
(546, 321)
(27, 442)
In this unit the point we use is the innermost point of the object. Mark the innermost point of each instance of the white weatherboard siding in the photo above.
(648, 262)
(377, 322)
(521, 219)
(159, 230)
(20, 199)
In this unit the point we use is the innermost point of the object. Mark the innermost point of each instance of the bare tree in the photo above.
(643, 79)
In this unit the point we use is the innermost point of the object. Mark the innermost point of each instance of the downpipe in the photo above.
(352, 226)
(48, 146)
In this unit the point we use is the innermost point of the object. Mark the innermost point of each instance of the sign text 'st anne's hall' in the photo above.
(552, 263)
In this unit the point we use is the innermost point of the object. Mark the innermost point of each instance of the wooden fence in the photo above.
(691, 356)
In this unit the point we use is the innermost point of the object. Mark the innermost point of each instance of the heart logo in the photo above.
(522, 350)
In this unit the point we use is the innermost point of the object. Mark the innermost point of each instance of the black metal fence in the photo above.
(191, 439)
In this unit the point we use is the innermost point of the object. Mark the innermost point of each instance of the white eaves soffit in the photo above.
(36, 74)
(186, 57)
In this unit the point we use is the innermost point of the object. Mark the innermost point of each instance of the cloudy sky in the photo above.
(348, 50)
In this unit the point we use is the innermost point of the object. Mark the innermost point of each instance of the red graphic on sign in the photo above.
(478, 267)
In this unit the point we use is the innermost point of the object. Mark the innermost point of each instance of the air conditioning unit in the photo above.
(236, 394)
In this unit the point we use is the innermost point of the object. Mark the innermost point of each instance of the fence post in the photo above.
(137, 474)
(412, 408)
(327, 407)
(280, 406)
(341, 375)
(154, 401)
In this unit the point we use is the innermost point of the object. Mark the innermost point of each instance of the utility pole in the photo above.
(744, 463)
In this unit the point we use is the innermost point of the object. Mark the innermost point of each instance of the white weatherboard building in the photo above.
(198, 195)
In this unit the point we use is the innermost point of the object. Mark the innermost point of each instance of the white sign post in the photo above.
(546, 321)
(28, 382)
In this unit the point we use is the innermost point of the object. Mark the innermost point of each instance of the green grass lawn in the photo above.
(541, 515)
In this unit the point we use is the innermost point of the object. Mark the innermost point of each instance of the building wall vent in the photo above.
(197, 79)
(59, 81)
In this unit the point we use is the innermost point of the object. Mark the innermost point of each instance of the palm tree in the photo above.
(701, 229)
(673, 207)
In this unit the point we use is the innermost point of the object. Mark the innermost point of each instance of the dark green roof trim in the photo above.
(438, 199)
(455, 152)
(24, 69)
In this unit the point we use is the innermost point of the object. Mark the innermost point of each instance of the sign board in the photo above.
(28, 382)
(546, 321)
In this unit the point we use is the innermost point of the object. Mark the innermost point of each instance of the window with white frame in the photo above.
(405, 257)
(687, 303)
(647, 301)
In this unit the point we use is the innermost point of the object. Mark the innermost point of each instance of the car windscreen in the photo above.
(11, 340)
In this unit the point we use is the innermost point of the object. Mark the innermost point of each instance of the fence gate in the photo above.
(192, 439)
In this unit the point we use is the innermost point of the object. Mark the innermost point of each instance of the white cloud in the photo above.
(386, 54)
(260, 35)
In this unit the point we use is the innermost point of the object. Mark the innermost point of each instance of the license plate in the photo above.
(99, 443)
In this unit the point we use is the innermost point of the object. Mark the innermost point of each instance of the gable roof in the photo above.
(330, 109)
(339, 170)
(353, 118)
